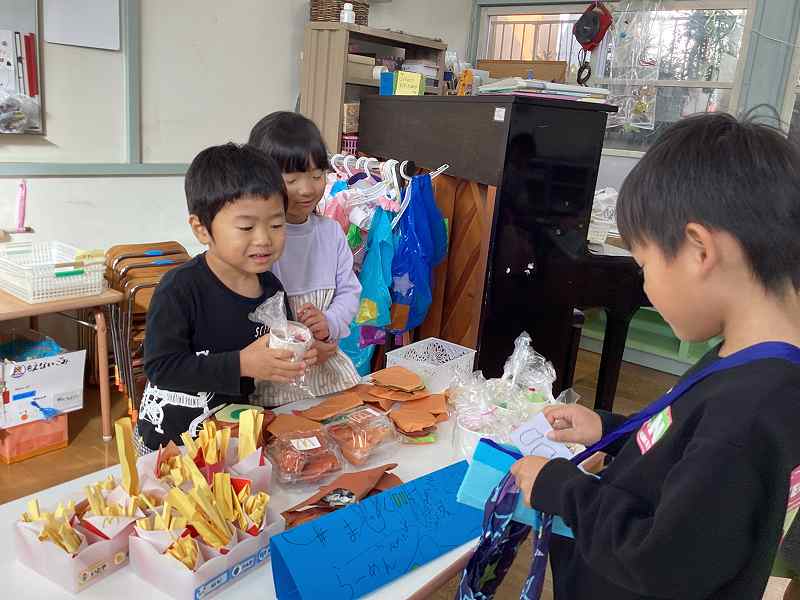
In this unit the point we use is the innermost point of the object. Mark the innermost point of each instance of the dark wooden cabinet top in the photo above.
(469, 133)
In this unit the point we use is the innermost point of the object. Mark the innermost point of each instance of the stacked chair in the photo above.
(135, 270)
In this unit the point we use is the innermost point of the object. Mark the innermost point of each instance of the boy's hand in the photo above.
(260, 362)
(324, 351)
(525, 471)
(574, 423)
(310, 316)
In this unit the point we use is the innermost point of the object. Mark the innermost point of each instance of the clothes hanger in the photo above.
(346, 167)
(337, 167)
(439, 171)
(403, 171)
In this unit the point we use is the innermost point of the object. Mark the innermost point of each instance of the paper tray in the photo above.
(95, 562)
(175, 580)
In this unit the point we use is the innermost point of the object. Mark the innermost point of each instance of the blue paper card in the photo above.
(355, 550)
(490, 463)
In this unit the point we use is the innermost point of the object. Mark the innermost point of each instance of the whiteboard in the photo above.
(88, 23)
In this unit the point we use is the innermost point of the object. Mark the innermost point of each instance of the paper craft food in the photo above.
(397, 395)
(228, 417)
(211, 445)
(398, 378)
(363, 391)
(284, 424)
(343, 491)
(304, 456)
(56, 526)
(410, 421)
(331, 407)
(250, 425)
(436, 404)
(185, 549)
(361, 432)
(127, 455)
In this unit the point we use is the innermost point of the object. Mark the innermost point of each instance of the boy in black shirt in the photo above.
(693, 505)
(201, 348)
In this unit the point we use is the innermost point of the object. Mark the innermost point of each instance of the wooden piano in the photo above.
(518, 198)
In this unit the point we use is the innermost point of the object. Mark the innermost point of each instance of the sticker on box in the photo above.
(303, 444)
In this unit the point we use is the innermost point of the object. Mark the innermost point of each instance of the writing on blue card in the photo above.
(355, 550)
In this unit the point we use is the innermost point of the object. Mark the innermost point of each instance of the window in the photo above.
(794, 127)
(687, 60)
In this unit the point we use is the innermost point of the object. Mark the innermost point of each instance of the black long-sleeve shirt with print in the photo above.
(196, 327)
(692, 505)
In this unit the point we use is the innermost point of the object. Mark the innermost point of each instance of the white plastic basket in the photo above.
(44, 271)
(437, 362)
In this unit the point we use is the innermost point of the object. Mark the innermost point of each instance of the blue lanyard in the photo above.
(779, 350)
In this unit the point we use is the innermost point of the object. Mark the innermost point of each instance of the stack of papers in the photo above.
(545, 89)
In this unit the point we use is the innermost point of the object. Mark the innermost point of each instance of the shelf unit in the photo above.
(650, 342)
(324, 84)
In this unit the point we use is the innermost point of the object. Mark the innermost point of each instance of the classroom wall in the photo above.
(209, 71)
(445, 19)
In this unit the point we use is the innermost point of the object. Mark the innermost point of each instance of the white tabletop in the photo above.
(413, 461)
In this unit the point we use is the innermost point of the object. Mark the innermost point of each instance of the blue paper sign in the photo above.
(355, 550)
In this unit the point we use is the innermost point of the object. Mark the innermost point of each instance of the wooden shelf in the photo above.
(380, 34)
(325, 84)
(365, 82)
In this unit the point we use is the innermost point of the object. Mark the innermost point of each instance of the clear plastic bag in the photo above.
(18, 113)
(494, 408)
(284, 334)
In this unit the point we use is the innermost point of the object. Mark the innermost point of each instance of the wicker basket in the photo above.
(330, 10)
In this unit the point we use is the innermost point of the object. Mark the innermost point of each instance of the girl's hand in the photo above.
(525, 471)
(324, 351)
(574, 423)
(310, 316)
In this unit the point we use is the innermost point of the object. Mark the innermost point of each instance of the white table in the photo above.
(413, 461)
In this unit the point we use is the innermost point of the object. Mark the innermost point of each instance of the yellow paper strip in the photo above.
(127, 455)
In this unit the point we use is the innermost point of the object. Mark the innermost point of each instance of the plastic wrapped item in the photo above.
(18, 113)
(604, 215)
(361, 433)
(304, 457)
(496, 407)
(284, 334)
(529, 370)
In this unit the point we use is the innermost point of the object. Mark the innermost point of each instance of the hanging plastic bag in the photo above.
(374, 308)
(420, 245)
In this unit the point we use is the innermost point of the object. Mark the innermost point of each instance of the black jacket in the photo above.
(694, 506)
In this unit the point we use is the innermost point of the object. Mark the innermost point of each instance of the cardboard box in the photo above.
(34, 386)
(33, 439)
(215, 574)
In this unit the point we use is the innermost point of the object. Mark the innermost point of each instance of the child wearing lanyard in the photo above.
(316, 268)
(696, 502)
